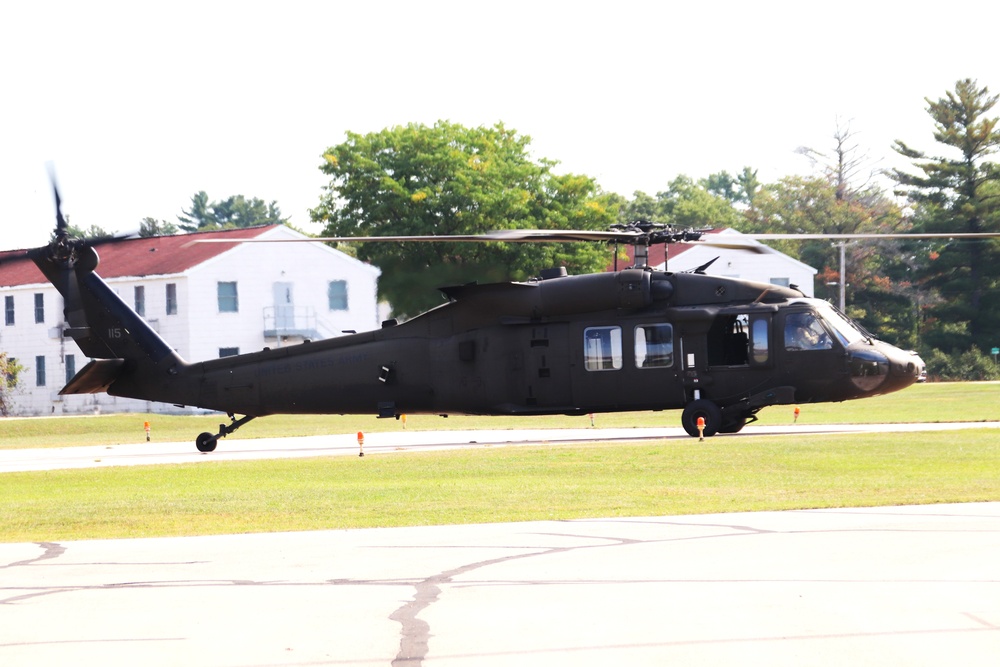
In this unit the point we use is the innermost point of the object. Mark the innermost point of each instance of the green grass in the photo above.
(932, 402)
(490, 484)
(497, 484)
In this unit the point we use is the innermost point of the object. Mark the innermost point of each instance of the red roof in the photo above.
(153, 256)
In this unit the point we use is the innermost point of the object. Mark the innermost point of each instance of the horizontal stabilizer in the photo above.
(95, 377)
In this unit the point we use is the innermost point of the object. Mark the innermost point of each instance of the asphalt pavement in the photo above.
(883, 586)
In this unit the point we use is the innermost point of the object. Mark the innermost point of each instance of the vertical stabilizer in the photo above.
(106, 328)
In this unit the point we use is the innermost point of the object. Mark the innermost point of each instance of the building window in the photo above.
(228, 351)
(8, 310)
(70, 367)
(39, 308)
(140, 300)
(336, 293)
(39, 371)
(654, 346)
(171, 299)
(602, 348)
(229, 301)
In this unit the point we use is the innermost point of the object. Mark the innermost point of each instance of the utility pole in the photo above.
(843, 277)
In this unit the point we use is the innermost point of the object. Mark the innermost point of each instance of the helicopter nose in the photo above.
(884, 368)
(869, 368)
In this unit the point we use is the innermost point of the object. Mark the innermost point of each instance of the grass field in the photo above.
(744, 473)
(933, 402)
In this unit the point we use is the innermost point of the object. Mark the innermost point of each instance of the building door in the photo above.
(284, 307)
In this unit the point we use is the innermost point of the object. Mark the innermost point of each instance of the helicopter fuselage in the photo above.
(631, 340)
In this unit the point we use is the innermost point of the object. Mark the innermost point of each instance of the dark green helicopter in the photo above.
(636, 339)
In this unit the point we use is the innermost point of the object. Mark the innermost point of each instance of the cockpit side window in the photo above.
(805, 331)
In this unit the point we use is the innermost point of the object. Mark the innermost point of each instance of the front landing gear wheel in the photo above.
(701, 408)
(206, 442)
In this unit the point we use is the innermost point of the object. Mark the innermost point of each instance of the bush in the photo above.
(972, 365)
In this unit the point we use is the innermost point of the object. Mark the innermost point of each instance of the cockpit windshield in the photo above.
(847, 331)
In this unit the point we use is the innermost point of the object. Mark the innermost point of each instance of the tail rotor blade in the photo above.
(61, 224)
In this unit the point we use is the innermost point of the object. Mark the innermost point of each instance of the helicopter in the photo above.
(720, 349)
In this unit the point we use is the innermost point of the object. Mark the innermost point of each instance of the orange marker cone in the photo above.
(796, 419)
(145, 425)
(701, 429)
(361, 443)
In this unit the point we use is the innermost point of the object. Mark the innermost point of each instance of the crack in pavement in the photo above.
(415, 633)
(50, 550)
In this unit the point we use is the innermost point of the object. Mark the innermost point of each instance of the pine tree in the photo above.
(959, 191)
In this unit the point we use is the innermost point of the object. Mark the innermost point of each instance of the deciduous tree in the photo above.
(10, 371)
(449, 179)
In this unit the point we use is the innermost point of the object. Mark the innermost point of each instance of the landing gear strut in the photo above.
(206, 442)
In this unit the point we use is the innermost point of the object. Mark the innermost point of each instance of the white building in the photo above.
(758, 262)
(204, 299)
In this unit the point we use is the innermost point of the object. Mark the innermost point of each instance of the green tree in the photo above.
(819, 205)
(685, 203)
(10, 372)
(92, 232)
(739, 189)
(959, 191)
(449, 179)
(236, 211)
(153, 227)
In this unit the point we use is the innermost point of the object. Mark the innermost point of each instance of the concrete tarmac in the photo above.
(881, 586)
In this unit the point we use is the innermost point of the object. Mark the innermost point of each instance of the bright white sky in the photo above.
(140, 105)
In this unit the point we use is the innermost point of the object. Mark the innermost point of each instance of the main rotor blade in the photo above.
(504, 235)
(873, 235)
(737, 241)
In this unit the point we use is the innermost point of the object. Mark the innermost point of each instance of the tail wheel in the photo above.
(705, 409)
(206, 442)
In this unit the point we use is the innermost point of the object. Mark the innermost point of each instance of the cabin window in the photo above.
(654, 346)
(336, 293)
(229, 301)
(39, 308)
(171, 298)
(804, 331)
(8, 310)
(39, 371)
(602, 348)
(228, 352)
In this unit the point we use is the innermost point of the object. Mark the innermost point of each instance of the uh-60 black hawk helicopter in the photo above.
(636, 339)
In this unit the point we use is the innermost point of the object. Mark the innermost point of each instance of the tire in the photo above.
(701, 408)
(206, 442)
